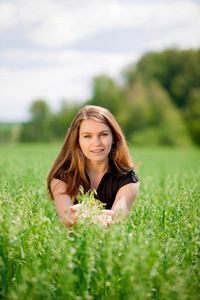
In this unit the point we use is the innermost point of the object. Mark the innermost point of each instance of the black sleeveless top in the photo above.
(110, 184)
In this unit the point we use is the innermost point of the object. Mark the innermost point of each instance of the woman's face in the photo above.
(95, 140)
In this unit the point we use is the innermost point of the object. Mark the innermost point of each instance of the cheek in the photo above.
(109, 142)
(82, 144)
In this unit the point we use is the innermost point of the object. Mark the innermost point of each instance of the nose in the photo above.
(97, 141)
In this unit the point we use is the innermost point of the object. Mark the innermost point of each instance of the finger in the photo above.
(108, 212)
(105, 220)
(102, 218)
(104, 223)
(75, 208)
(71, 208)
(109, 220)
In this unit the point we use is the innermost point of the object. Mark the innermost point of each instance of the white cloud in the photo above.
(56, 23)
(72, 58)
(184, 21)
(8, 19)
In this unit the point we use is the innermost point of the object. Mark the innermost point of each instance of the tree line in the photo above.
(156, 102)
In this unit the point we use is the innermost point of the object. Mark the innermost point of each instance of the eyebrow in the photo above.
(91, 132)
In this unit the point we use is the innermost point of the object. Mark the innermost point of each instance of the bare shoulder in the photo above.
(58, 186)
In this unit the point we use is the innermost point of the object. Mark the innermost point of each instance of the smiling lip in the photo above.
(97, 151)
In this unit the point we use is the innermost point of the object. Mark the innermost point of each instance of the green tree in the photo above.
(38, 129)
(61, 121)
(138, 113)
(152, 118)
(177, 71)
(39, 111)
(107, 94)
(192, 115)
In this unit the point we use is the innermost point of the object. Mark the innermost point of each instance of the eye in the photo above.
(104, 134)
(87, 136)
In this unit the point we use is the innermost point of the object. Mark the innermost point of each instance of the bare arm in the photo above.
(63, 202)
(125, 198)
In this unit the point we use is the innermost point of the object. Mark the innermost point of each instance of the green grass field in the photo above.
(154, 254)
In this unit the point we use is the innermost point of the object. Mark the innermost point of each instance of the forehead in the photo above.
(92, 126)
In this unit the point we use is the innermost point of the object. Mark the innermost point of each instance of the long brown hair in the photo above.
(69, 165)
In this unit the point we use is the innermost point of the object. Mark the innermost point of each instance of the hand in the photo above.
(107, 217)
(79, 209)
(72, 214)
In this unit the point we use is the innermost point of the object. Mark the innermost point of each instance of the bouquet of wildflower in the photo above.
(92, 209)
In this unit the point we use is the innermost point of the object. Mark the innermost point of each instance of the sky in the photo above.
(52, 49)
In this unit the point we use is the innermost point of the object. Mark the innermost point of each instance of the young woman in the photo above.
(94, 155)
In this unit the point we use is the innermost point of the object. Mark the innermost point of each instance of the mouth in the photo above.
(97, 151)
